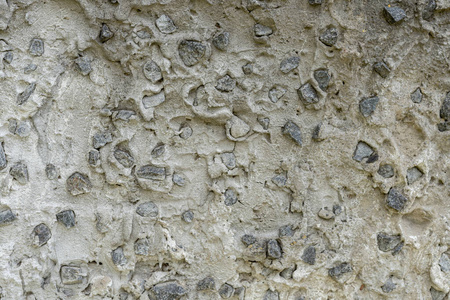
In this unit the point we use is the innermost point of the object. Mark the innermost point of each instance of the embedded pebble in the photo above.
(436, 295)
(444, 263)
(262, 30)
(6, 217)
(67, 217)
(124, 115)
(389, 286)
(78, 184)
(19, 171)
(226, 291)
(228, 159)
(105, 33)
(362, 151)
(141, 247)
(238, 127)
(387, 171)
(276, 93)
(273, 249)
(118, 257)
(444, 112)
(8, 57)
(147, 209)
(159, 150)
(188, 216)
(151, 172)
(186, 131)
(165, 24)
(36, 47)
(3, 161)
(271, 295)
(323, 77)
(413, 174)
(30, 68)
(167, 291)
(388, 242)
(101, 139)
(178, 179)
(124, 157)
(367, 106)
(286, 231)
(191, 52)
(394, 14)
(309, 255)
(94, 158)
(221, 40)
(292, 130)
(71, 275)
(315, 2)
(329, 37)
(382, 69)
(41, 234)
(396, 200)
(325, 213)
(339, 270)
(51, 172)
(247, 69)
(308, 94)
(226, 84)
(207, 283)
(230, 197)
(289, 64)
(280, 180)
(152, 71)
(155, 100)
(428, 11)
(417, 96)
(84, 65)
(264, 122)
(25, 95)
(287, 273)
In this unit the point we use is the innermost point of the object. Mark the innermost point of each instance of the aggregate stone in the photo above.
(228, 159)
(226, 84)
(337, 209)
(147, 209)
(287, 273)
(413, 174)
(152, 71)
(8, 57)
(271, 295)
(19, 172)
(387, 171)
(329, 37)
(362, 151)
(6, 217)
(41, 234)
(51, 172)
(124, 157)
(280, 179)
(389, 286)
(230, 197)
(186, 132)
(23, 129)
(94, 158)
(78, 184)
(178, 179)
(339, 270)
(191, 52)
(444, 112)
(36, 47)
(273, 249)
(226, 291)
(25, 95)
(264, 122)
(417, 96)
(367, 106)
(276, 93)
(396, 200)
(67, 217)
(100, 139)
(315, 2)
(30, 68)
(445, 126)
(382, 69)
(84, 65)
(436, 295)
(141, 247)
(159, 150)
(248, 239)
(262, 30)
(308, 94)
(207, 283)
(428, 11)
(105, 33)
(151, 172)
(12, 126)
(118, 257)
(292, 130)
(167, 291)
(394, 14)
(188, 216)
(323, 77)
(71, 275)
(286, 231)
(309, 255)
(388, 242)
(247, 69)
(289, 64)
(221, 41)
(165, 24)
(3, 160)
(444, 262)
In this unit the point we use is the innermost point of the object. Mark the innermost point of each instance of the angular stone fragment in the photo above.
(292, 130)
(226, 291)
(264, 122)
(388, 286)
(323, 77)
(280, 179)
(444, 262)
(289, 64)
(287, 273)
(67, 217)
(248, 239)
(188, 216)
(141, 247)
(105, 33)
(84, 65)
(429, 9)
(124, 115)
(191, 52)
(226, 84)
(273, 249)
(124, 157)
(152, 71)
(325, 213)
(71, 275)
(147, 209)
(367, 106)
(41, 234)
(276, 93)
(271, 295)
(207, 283)
(362, 151)
(3, 161)
(309, 255)
(396, 200)
(178, 179)
(286, 231)
(51, 172)
(417, 96)
(101, 139)
(36, 47)
(436, 295)
(19, 172)
(118, 257)
(382, 69)
(159, 150)
(221, 40)
(165, 24)
(8, 57)
(329, 37)
(228, 159)
(308, 94)
(413, 174)
(167, 291)
(444, 112)
(6, 217)
(394, 15)
(94, 158)
(315, 2)
(155, 100)
(230, 197)
(152, 172)
(339, 270)
(25, 95)
(261, 30)
(78, 184)
(247, 69)
(388, 242)
(387, 171)
(30, 68)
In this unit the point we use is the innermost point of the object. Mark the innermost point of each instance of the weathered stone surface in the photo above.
(41, 234)
(152, 71)
(78, 184)
(151, 172)
(367, 106)
(191, 52)
(105, 33)
(308, 94)
(71, 275)
(289, 64)
(292, 130)
(262, 30)
(67, 217)
(273, 249)
(6, 217)
(165, 24)
(167, 291)
(396, 200)
(329, 37)
(387, 242)
(387, 171)
(362, 151)
(19, 171)
(147, 209)
(118, 257)
(323, 78)
(309, 255)
(339, 270)
(221, 40)
(394, 14)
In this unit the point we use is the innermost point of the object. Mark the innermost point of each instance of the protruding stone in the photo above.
(363, 150)
(273, 249)
(207, 283)
(118, 257)
(386, 171)
(247, 69)
(94, 158)
(261, 30)
(437, 295)
(323, 77)
(25, 95)
(289, 64)
(417, 96)
(84, 65)
(152, 71)
(141, 247)
(167, 291)
(286, 231)
(367, 106)
(226, 291)
(101, 139)
(308, 94)
(309, 255)
(248, 239)
(388, 286)
(428, 11)
(276, 93)
(41, 234)
(105, 33)
(191, 52)
(155, 100)
(287, 273)
(444, 262)
(271, 295)
(228, 159)
(413, 174)
(393, 14)
(188, 216)
(396, 200)
(66, 217)
(329, 37)
(382, 69)
(230, 197)
(186, 131)
(8, 57)
(6, 217)
(264, 122)
(71, 275)
(444, 126)
(3, 161)
(339, 270)
(226, 84)
(147, 209)
(36, 47)
(388, 242)
(165, 24)
(444, 112)
(292, 130)
(51, 172)
(221, 40)
(124, 157)
(159, 150)
(152, 172)
(19, 172)
(78, 184)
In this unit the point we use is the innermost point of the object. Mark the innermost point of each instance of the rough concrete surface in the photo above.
(239, 149)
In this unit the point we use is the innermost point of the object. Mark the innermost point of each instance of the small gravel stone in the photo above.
(151, 172)
(141, 247)
(248, 239)
(230, 197)
(165, 24)
(280, 179)
(323, 78)
(191, 52)
(362, 151)
(41, 234)
(6, 217)
(445, 126)
(228, 159)
(67, 217)
(264, 122)
(396, 200)
(388, 242)
(367, 106)
(78, 184)
(436, 295)
(337, 209)
(167, 291)
(444, 112)
(207, 283)
(292, 130)
(118, 257)
(261, 30)
(247, 69)
(8, 57)
(84, 65)
(413, 174)
(444, 263)
(273, 249)
(276, 93)
(23, 129)
(188, 216)
(147, 209)
(30, 68)
(101, 139)
(159, 150)
(51, 172)
(287, 273)
(286, 231)
(19, 172)
(71, 275)
(386, 171)
(389, 286)
(339, 270)
(428, 11)
(271, 295)
(105, 33)
(178, 179)
(315, 2)
(12, 125)
(94, 158)
(325, 213)
(382, 69)
(124, 115)
(186, 131)
(394, 15)
(155, 100)
(152, 71)
(309, 255)
(221, 40)
(226, 291)
(3, 161)
(308, 94)
(124, 157)
(329, 37)
(36, 47)
(25, 95)
(226, 84)
(289, 64)
(417, 96)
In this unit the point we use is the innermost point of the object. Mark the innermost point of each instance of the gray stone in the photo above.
(445, 126)
(36, 47)
(261, 30)
(226, 84)
(154, 100)
(51, 172)
(394, 14)
(388, 286)
(398, 248)
(165, 24)
(152, 172)
(273, 249)
(41, 234)
(191, 52)
(25, 95)
(339, 270)
(280, 179)
(337, 209)
(289, 64)
(228, 159)
(428, 10)
(186, 132)
(207, 283)
(396, 200)
(286, 231)
(386, 171)
(124, 157)
(101, 139)
(71, 275)
(221, 40)
(124, 115)
(118, 257)
(367, 106)
(239, 292)
(248, 239)
(84, 65)
(329, 37)
(141, 247)
(226, 291)
(388, 242)
(413, 174)
(436, 295)
(178, 179)
(8, 57)
(264, 122)
(444, 112)
(287, 273)
(362, 151)
(315, 2)
(147, 209)
(417, 96)
(3, 160)
(309, 255)
(444, 262)
(271, 295)
(292, 130)
(167, 291)
(67, 217)
(188, 216)
(6, 217)
(12, 125)
(152, 71)
(276, 93)
(78, 184)
(323, 77)
(230, 197)
(19, 172)
(23, 129)
(159, 150)
(143, 34)
(30, 68)
(308, 94)
(382, 69)
(94, 158)
(247, 69)
(105, 34)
